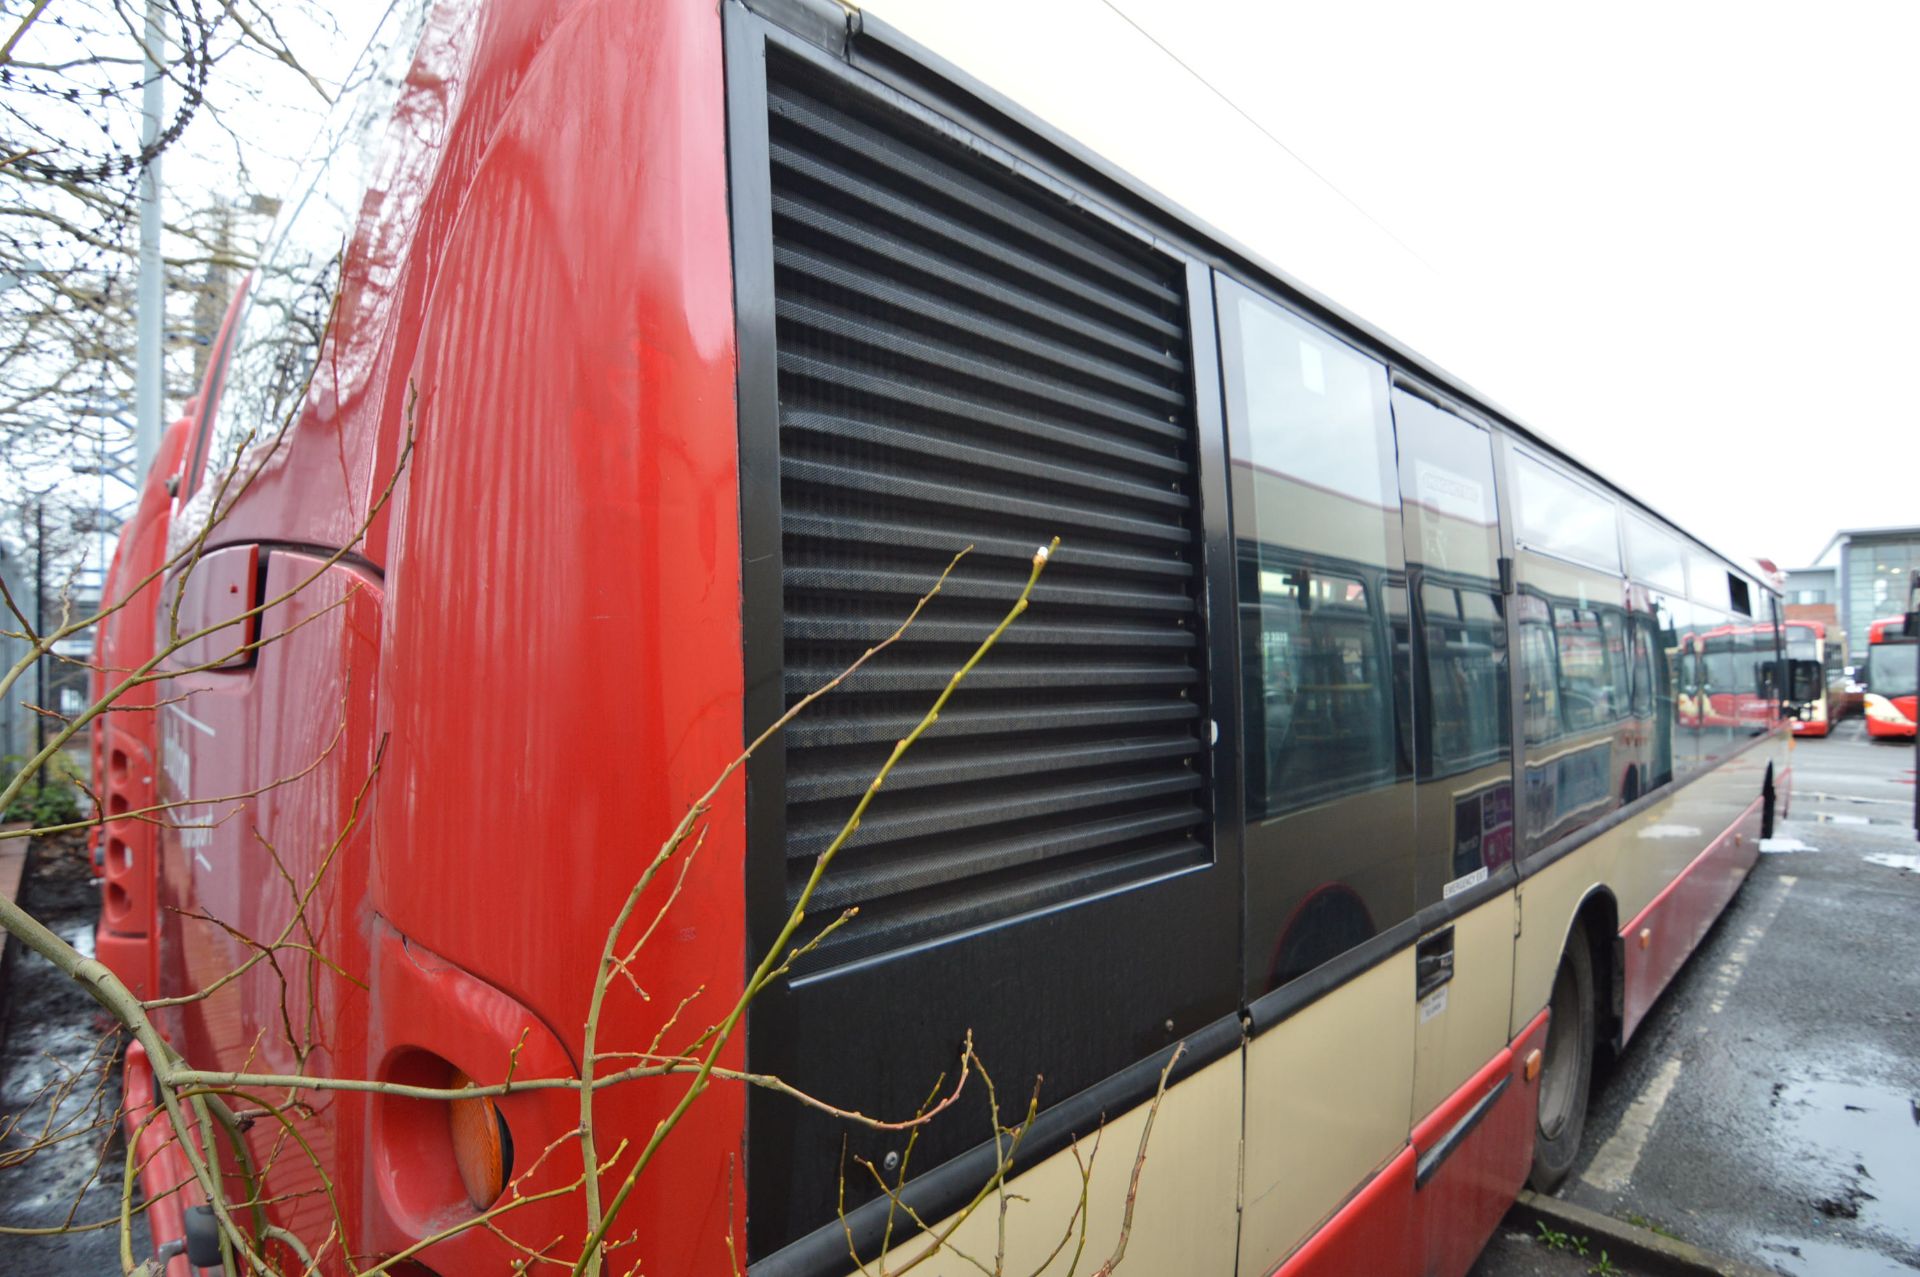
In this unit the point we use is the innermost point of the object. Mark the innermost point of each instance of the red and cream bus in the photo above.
(1814, 684)
(1890, 704)
(1338, 755)
(1740, 676)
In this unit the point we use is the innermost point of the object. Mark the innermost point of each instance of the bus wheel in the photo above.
(1568, 1070)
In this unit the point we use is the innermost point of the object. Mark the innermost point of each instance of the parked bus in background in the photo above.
(1337, 770)
(1740, 688)
(1890, 704)
(1814, 684)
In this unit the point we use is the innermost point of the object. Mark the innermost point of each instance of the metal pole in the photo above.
(40, 623)
(148, 374)
(1912, 627)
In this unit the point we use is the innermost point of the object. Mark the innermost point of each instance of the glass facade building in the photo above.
(1875, 565)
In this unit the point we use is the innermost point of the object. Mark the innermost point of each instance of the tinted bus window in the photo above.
(1640, 699)
(1613, 626)
(1325, 640)
(1655, 557)
(1586, 685)
(1466, 654)
(1707, 582)
(1560, 516)
(1324, 687)
(1890, 671)
(1655, 655)
(1464, 726)
(1539, 672)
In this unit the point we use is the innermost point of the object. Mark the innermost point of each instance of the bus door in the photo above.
(1459, 1006)
(1327, 766)
(272, 737)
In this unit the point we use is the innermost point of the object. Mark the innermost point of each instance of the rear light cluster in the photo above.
(437, 1156)
(482, 1145)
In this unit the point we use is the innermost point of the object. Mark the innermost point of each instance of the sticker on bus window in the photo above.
(1459, 885)
(1433, 1004)
(1446, 493)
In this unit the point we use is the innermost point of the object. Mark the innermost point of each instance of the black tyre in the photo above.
(1567, 1072)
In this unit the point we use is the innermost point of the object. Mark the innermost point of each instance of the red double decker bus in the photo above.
(1889, 704)
(694, 342)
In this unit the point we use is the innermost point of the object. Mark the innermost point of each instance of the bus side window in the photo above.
(1462, 710)
(1641, 700)
(1614, 626)
(1586, 687)
(1325, 637)
(1540, 677)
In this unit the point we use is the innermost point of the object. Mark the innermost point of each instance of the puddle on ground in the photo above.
(1911, 862)
(1806, 1258)
(1857, 1148)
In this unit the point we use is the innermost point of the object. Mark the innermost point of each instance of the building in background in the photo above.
(1813, 594)
(1864, 571)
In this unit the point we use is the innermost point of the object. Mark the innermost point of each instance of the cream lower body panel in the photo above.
(1327, 1093)
(1184, 1218)
(1455, 1040)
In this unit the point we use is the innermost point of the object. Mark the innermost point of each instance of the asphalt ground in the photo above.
(1768, 1109)
(61, 1156)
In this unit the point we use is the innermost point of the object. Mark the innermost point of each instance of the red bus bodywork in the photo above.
(550, 314)
(1893, 713)
(124, 743)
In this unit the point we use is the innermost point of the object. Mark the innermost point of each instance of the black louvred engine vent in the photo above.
(967, 358)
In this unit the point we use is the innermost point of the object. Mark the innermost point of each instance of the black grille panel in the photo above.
(965, 358)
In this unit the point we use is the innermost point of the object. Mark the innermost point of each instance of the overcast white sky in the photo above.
(1681, 239)
(1678, 238)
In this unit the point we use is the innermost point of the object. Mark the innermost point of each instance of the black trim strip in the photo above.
(1273, 1008)
(1429, 1164)
(950, 1186)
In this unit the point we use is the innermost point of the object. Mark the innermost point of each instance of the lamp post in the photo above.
(1912, 630)
(152, 290)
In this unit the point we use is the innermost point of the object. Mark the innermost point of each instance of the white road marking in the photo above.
(1614, 1164)
(1771, 845)
(1728, 974)
(1892, 861)
(1851, 798)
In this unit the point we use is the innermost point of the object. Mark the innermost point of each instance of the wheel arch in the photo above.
(1597, 919)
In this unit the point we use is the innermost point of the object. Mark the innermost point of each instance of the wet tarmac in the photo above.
(1769, 1108)
(61, 1158)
